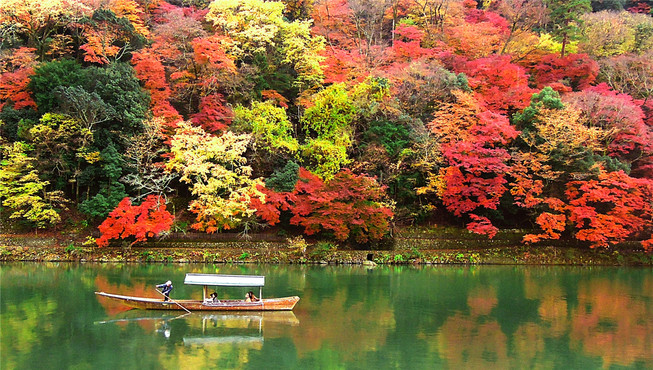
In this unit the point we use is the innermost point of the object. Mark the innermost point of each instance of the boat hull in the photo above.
(268, 304)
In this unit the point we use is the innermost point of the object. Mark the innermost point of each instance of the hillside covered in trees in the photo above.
(336, 118)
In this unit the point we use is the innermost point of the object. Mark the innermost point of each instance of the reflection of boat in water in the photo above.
(242, 328)
(135, 316)
(207, 304)
(201, 329)
(232, 319)
(240, 339)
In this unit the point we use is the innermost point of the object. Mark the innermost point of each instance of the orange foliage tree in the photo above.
(43, 23)
(611, 209)
(561, 175)
(602, 211)
(211, 65)
(475, 33)
(112, 31)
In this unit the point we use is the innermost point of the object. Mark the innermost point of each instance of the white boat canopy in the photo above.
(225, 280)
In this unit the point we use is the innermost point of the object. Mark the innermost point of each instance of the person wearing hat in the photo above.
(166, 288)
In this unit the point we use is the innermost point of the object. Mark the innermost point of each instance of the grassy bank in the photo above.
(414, 246)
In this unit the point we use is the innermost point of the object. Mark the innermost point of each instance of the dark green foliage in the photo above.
(462, 82)
(112, 163)
(402, 188)
(57, 140)
(13, 120)
(104, 17)
(566, 19)
(269, 75)
(588, 164)
(284, 180)
(105, 201)
(199, 4)
(50, 76)
(86, 106)
(547, 98)
(107, 100)
(111, 192)
(119, 88)
(113, 91)
(598, 5)
(393, 136)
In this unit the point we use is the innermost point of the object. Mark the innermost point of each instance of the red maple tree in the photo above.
(151, 71)
(500, 85)
(15, 72)
(348, 206)
(603, 211)
(471, 141)
(573, 72)
(135, 222)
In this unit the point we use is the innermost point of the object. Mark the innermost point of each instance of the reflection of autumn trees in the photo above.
(394, 317)
(342, 324)
(488, 344)
(22, 326)
(611, 323)
(603, 318)
(114, 307)
(552, 308)
(466, 318)
(487, 349)
(599, 319)
(482, 300)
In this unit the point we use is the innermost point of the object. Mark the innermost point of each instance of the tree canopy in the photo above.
(341, 118)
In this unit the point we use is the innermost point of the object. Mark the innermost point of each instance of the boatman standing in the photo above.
(166, 288)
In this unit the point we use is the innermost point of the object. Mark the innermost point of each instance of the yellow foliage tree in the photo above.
(218, 174)
(258, 27)
(565, 132)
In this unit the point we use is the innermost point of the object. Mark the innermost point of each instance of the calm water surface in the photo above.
(348, 318)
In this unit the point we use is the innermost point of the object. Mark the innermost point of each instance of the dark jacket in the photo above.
(166, 288)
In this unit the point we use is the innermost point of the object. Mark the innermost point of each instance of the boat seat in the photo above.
(212, 303)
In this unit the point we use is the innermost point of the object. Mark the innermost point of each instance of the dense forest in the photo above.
(335, 118)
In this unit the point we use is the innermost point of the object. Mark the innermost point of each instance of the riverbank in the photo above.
(447, 246)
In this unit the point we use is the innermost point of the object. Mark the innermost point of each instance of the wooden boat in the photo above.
(208, 304)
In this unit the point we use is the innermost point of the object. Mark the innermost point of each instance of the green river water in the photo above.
(349, 317)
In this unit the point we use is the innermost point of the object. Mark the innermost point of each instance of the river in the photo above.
(349, 317)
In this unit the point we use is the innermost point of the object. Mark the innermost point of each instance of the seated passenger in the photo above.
(250, 297)
(213, 298)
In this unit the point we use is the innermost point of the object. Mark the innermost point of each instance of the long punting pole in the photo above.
(173, 301)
